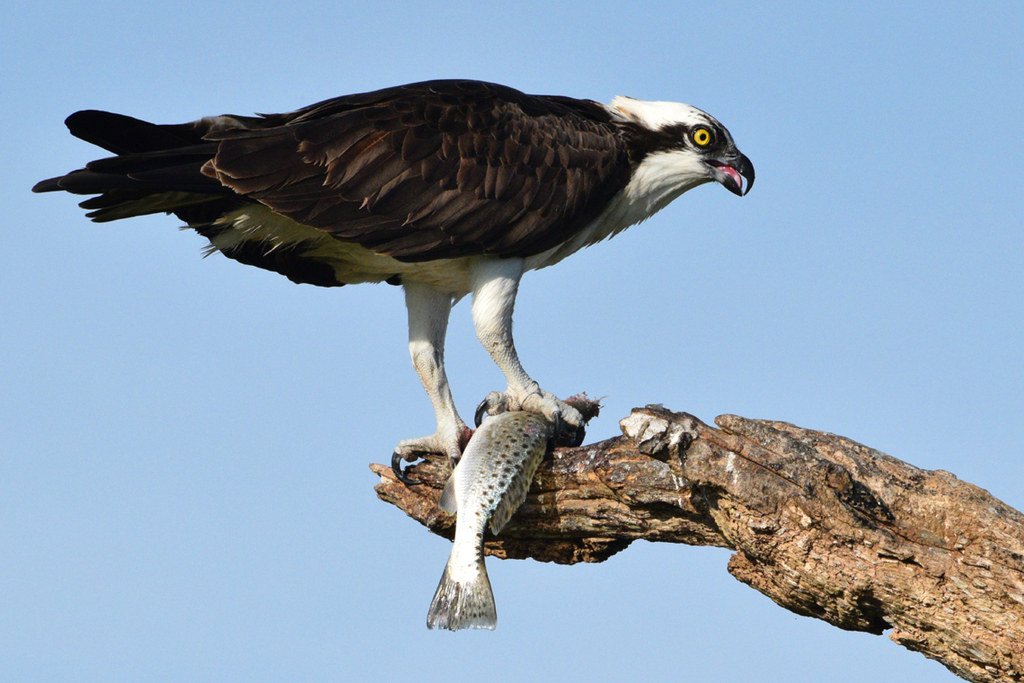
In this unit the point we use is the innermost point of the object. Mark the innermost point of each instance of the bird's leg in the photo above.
(495, 285)
(428, 324)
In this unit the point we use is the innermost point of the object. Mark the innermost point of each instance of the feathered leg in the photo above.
(495, 285)
(428, 324)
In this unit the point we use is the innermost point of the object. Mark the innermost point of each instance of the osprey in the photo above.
(446, 188)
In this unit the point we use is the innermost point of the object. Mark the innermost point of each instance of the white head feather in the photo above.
(656, 115)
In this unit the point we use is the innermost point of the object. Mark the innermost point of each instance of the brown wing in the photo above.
(432, 170)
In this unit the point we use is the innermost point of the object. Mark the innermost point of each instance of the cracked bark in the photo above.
(822, 525)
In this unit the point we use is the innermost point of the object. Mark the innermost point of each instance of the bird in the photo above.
(446, 188)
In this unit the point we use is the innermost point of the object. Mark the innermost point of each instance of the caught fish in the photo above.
(489, 484)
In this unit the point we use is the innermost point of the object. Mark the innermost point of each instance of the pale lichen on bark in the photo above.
(822, 525)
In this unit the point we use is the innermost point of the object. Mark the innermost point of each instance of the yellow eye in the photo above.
(702, 137)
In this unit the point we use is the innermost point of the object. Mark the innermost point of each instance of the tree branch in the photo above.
(822, 525)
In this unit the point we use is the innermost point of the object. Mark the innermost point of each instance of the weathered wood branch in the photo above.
(822, 525)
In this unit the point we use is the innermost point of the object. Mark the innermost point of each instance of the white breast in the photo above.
(659, 179)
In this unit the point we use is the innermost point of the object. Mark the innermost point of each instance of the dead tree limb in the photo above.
(822, 525)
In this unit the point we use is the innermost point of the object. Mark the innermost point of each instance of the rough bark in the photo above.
(822, 525)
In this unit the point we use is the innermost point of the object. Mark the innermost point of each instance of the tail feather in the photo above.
(467, 604)
(158, 168)
(122, 134)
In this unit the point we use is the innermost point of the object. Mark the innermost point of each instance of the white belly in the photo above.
(352, 263)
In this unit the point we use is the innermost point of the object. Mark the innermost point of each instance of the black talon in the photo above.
(396, 467)
(564, 435)
(557, 425)
(481, 410)
(578, 436)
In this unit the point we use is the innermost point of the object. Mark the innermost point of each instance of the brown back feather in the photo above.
(434, 170)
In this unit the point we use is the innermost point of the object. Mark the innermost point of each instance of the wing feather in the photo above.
(433, 170)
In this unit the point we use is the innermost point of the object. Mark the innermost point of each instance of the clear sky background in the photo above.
(184, 491)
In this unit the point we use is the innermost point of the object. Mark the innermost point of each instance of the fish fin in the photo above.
(463, 604)
(515, 495)
(447, 501)
(505, 510)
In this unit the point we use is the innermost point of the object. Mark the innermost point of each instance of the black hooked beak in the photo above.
(730, 170)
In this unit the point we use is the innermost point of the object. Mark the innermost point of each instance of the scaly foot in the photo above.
(448, 442)
(569, 424)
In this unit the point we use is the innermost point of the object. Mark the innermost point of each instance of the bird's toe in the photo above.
(396, 467)
(494, 403)
(412, 450)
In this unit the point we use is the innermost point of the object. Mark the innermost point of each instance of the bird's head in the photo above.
(685, 146)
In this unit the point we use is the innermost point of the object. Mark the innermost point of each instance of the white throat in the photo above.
(659, 179)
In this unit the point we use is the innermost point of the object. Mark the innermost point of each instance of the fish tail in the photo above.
(464, 603)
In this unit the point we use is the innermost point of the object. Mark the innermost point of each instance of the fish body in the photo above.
(488, 486)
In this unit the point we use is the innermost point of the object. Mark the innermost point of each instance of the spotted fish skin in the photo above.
(488, 486)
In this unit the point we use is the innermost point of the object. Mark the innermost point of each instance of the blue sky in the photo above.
(184, 491)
